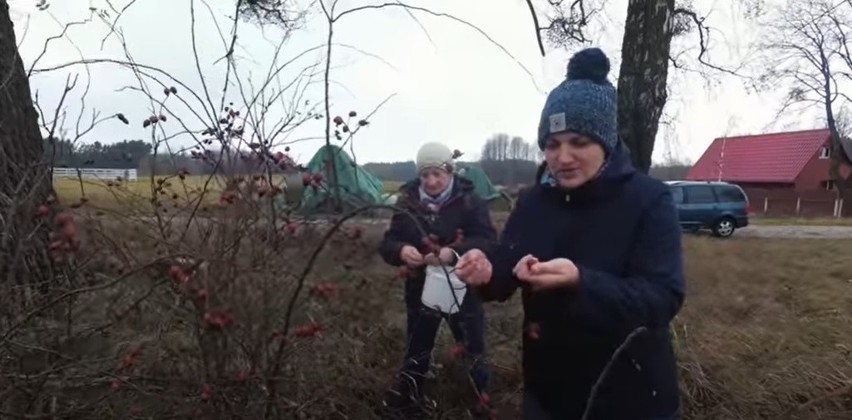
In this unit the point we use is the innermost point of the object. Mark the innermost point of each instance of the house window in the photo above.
(823, 153)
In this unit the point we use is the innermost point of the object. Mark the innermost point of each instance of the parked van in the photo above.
(718, 206)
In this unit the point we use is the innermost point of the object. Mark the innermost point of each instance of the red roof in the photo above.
(777, 157)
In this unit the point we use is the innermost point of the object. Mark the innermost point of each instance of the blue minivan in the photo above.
(718, 206)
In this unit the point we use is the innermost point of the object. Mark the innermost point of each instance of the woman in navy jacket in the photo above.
(457, 220)
(596, 248)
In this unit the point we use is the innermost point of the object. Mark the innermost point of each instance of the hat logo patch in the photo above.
(557, 122)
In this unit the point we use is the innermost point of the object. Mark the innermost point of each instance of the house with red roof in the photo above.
(797, 160)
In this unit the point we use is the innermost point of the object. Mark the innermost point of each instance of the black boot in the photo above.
(404, 400)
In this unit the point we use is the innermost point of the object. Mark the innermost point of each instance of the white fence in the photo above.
(95, 173)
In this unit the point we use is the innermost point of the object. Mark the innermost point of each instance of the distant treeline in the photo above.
(125, 154)
(507, 172)
(511, 172)
(506, 161)
(137, 154)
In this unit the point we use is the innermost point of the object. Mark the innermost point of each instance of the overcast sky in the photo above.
(458, 87)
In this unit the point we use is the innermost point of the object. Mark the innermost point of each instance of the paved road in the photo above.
(824, 232)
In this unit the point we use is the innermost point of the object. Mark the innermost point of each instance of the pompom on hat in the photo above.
(584, 103)
(434, 155)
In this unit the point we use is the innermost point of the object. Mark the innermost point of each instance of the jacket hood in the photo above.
(618, 166)
(617, 169)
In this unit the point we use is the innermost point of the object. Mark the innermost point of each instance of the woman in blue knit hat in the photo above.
(595, 247)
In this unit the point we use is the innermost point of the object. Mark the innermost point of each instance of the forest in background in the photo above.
(506, 160)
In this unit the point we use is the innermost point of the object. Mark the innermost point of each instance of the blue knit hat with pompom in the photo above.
(584, 103)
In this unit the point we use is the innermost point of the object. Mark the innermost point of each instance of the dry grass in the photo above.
(391, 186)
(121, 195)
(766, 330)
(791, 221)
(767, 327)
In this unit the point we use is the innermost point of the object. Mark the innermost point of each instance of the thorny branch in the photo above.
(309, 265)
(71, 293)
(145, 74)
(608, 367)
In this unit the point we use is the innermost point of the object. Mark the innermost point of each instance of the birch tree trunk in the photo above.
(644, 72)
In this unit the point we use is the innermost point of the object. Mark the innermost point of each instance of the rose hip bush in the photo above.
(190, 299)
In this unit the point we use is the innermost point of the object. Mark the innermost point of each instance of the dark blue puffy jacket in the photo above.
(464, 212)
(622, 232)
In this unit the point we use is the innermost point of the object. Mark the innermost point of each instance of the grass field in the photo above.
(817, 221)
(118, 195)
(391, 186)
(112, 193)
(765, 332)
(766, 328)
(115, 195)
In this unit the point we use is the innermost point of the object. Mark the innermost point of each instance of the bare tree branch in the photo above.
(704, 38)
(61, 35)
(114, 24)
(441, 15)
(536, 26)
(804, 44)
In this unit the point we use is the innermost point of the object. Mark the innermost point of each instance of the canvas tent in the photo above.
(358, 187)
(481, 184)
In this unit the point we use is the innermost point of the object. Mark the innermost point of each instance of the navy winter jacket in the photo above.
(622, 232)
(464, 211)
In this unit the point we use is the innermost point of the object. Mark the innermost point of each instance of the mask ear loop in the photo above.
(456, 254)
(458, 257)
(453, 269)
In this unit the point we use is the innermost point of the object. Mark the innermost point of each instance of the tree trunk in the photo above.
(25, 181)
(644, 72)
(836, 149)
(837, 154)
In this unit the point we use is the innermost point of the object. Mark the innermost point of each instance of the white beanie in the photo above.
(434, 155)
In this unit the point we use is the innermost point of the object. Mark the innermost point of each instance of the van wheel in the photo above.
(724, 227)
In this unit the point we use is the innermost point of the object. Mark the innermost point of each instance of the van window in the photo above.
(729, 194)
(700, 194)
(677, 195)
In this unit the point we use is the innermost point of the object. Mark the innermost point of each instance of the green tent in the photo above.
(481, 184)
(357, 186)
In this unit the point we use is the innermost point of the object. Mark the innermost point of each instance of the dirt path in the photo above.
(820, 232)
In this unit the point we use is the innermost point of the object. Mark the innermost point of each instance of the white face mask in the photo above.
(440, 293)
